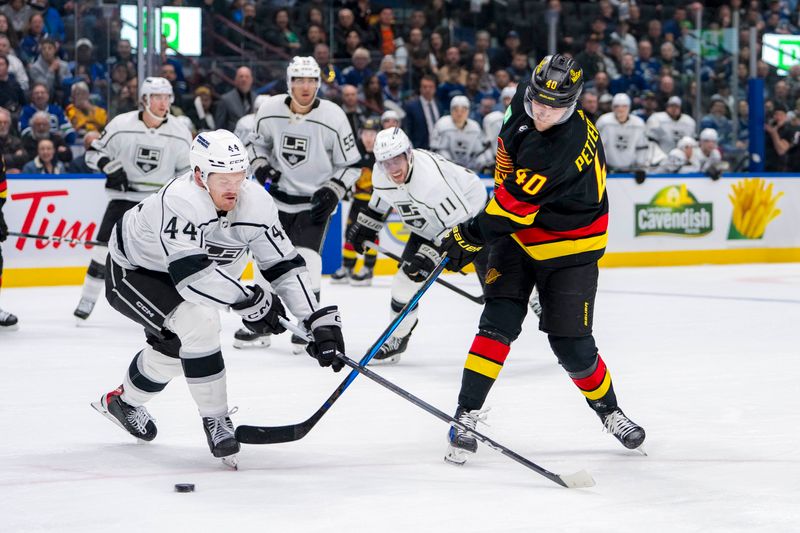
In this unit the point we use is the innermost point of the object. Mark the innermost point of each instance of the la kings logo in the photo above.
(147, 158)
(411, 215)
(621, 142)
(294, 149)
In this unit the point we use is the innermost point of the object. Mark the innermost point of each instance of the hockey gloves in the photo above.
(639, 176)
(260, 311)
(421, 264)
(325, 200)
(264, 172)
(116, 179)
(325, 326)
(462, 244)
(365, 229)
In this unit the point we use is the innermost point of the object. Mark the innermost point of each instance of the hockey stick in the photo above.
(55, 238)
(378, 248)
(581, 479)
(293, 432)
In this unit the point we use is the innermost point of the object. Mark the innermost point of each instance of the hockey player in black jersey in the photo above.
(546, 225)
(8, 321)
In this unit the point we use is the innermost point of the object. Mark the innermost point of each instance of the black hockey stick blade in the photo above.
(477, 299)
(56, 238)
(292, 432)
(581, 479)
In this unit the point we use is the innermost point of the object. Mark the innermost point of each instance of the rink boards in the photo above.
(668, 220)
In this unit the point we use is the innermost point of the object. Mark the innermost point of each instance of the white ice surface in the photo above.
(705, 358)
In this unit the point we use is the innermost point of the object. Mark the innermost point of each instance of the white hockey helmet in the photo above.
(218, 151)
(156, 85)
(687, 140)
(302, 67)
(390, 143)
(709, 134)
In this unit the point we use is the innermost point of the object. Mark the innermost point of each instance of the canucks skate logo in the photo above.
(147, 158)
(223, 255)
(294, 149)
(411, 215)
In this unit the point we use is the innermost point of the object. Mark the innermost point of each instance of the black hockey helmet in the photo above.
(556, 81)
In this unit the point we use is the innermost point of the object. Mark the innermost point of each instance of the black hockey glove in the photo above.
(366, 228)
(421, 264)
(261, 311)
(116, 179)
(639, 176)
(325, 326)
(325, 200)
(462, 244)
(264, 172)
(3, 227)
(714, 173)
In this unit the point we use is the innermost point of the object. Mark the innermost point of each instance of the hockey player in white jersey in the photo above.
(682, 159)
(670, 126)
(139, 152)
(304, 145)
(460, 139)
(429, 193)
(708, 157)
(175, 261)
(624, 136)
(247, 124)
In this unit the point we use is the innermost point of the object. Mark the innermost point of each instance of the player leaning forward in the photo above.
(139, 152)
(546, 225)
(305, 146)
(175, 261)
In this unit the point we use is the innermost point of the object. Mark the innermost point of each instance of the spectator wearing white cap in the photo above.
(390, 119)
(681, 159)
(668, 127)
(624, 136)
(708, 156)
(460, 139)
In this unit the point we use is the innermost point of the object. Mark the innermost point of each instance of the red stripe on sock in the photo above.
(490, 349)
(590, 383)
(348, 246)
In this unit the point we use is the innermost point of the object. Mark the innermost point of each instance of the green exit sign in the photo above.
(781, 51)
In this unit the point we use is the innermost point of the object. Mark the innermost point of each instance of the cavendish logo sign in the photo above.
(674, 210)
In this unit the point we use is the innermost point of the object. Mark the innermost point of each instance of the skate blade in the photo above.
(231, 461)
(297, 349)
(361, 283)
(98, 406)
(342, 281)
(15, 327)
(391, 360)
(455, 456)
(641, 450)
(256, 343)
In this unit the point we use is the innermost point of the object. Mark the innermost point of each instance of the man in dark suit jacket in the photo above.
(237, 102)
(422, 113)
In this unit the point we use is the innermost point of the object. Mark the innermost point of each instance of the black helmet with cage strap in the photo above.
(556, 81)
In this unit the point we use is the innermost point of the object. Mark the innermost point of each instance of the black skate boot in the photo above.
(628, 432)
(341, 276)
(84, 309)
(362, 278)
(244, 338)
(8, 322)
(135, 420)
(220, 435)
(461, 442)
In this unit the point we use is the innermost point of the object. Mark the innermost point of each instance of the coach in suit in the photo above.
(237, 102)
(422, 113)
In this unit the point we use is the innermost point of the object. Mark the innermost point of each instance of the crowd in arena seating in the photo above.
(438, 65)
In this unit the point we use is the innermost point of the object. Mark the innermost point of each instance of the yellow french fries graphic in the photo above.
(753, 206)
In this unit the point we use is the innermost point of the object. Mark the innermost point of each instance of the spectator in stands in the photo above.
(237, 102)
(451, 70)
(359, 70)
(84, 58)
(123, 57)
(10, 145)
(649, 105)
(637, 25)
(422, 113)
(504, 56)
(179, 88)
(346, 22)
(127, 99)
(668, 59)
(435, 13)
(40, 101)
(40, 129)
(201, 112)
(646, 65)
(591, 59)
(49, 69)
(450, 88)
(420, 66)
(623, 36)
(82, 113)
(18, 13)
(502, 79)
(15, 66)
(629, 81)
(45, 161)
(519, 70)
(8, 30)
(600, 84)
(603, 105)
(673, 26)
(384, 32)
(54, 25)
(354, 111)
(718, 120)
(480, 66)
(387, 65)
(330, 74)
(281, 34)
(315, 34)
(483, 43)
(438, 50)
(78, 165)
(393, 91)
(743, 139)
(12, 98)
(29, 47)
(780, 94)
(590, 103)
(781, 138)
(364, 15)
(666, 90)
(372, 96)
(418, 21)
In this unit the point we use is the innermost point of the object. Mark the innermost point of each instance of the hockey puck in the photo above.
(184, 487)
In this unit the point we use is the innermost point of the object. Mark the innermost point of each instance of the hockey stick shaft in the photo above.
(580, 479)
(55, 238)
(272, 435)
(477, 299)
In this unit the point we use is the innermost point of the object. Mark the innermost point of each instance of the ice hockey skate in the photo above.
(341, 276)
(244, 338)
(135, 420)
(84, 309)
(628, 432)
(362, 278)
(462, 443)
(221, 441)
(389, 353)
(8, 322)
(298, 345)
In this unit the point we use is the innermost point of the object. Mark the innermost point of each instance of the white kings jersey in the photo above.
(625, 143)
(466, 147)
(245, 126)
(150, 156)
(705, 162)
(180, 231)
(437, 195)
(307, 149)
(667, 131)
